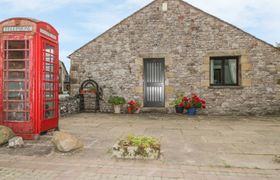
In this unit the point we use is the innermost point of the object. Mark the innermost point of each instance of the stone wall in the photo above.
(186, 37)
(68, 105)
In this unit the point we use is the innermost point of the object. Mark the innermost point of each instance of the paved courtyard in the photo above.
(200, 147)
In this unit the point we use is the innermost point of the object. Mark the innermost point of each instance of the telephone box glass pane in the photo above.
(49, 49)
(49, 95)
(16, 55)
(16, 77)
(16, 96)
(16, 106)
(16, 116)
(49, 67)
(49, 84)
(48, 76)
(16, 64)
(49, 114)
(16, 85)
(16, 44)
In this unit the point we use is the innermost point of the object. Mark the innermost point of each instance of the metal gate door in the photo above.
(154, 82)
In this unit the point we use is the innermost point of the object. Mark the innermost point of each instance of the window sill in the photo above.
(225, 87)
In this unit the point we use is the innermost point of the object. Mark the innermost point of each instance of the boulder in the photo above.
(65, 142)
(16, 142)
(5, 134)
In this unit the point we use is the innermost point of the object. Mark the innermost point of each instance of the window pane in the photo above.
(16, 54)
(49, 95)
(16, 106)
(49, 57)
(16, 96)
(216, 71)
(48, 76)
(16, 116)
(49, 67)
(16, 44)
(16, 65)
(49, 86)
(49, 105)
(49, 49)
(15, 75)
(15, 85)
(49, 114)
(230, 71)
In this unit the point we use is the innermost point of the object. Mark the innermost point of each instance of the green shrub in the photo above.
(142, 142)
(116, 100)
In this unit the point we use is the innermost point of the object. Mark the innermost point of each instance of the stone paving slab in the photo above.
(67, 169)
(200, 147)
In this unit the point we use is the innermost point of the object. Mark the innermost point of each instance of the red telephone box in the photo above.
(29, 76)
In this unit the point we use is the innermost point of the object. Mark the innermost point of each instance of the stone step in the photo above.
(153, 110)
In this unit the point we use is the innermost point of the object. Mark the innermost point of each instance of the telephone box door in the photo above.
(16, 83)
(50, 85)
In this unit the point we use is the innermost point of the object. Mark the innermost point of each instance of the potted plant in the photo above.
(133, 107)
(117, 102)
(179, 105)
(192, 104)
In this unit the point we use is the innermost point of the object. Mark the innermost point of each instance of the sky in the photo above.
(80, 21)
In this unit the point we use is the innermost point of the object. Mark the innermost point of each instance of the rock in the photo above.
(65, 142)
(16, 142)
(5, 134)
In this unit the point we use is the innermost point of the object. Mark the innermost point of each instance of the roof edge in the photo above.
(184, 2)
(223, 21)
(133, 14)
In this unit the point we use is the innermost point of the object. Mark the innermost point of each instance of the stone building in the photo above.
(64, 79)
(169, 47)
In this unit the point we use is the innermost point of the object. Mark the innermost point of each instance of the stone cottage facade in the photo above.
(171, 47)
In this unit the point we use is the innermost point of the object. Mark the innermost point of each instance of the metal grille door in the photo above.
(154, 82)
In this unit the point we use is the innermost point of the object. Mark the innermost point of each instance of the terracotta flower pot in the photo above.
(129, 109)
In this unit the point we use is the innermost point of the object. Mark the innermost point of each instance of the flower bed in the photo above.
(137, 147)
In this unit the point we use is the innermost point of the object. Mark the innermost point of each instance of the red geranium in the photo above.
(131, 103)
(182, 104)
(193, 102)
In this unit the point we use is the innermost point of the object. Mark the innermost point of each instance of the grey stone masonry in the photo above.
(68, 105)
(186, 38)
